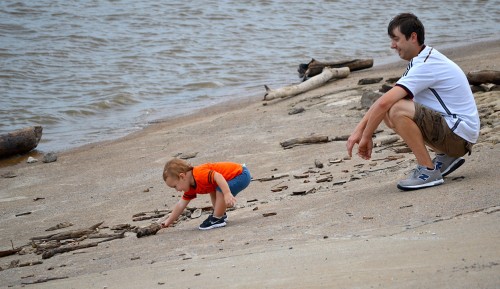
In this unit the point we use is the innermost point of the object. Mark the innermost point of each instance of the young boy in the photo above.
(223, 181)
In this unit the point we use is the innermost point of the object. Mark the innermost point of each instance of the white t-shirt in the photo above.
(436, 82)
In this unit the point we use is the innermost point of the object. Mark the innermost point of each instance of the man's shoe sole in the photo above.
(455, 165)
(422, 186)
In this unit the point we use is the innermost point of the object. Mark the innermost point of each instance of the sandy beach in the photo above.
(298, 225)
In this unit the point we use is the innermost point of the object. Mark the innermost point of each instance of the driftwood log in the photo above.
(315, 67)
(20, 141)
(148, 230)
(303, 140)
(312, 83)
(483, 76)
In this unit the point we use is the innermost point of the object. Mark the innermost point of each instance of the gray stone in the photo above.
(49, 157)
(369, 97)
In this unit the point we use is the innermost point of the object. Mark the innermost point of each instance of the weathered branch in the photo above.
(312, 83)
(303, 140)
(315, 67)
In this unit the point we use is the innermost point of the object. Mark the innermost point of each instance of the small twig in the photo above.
(42, 280)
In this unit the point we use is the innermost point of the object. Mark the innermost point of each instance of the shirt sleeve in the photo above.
(419, 78)
(189, 195)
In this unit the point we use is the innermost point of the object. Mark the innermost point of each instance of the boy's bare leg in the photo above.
(212, 199)
(219, 204)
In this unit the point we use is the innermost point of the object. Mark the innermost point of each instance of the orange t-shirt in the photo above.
(204, 177)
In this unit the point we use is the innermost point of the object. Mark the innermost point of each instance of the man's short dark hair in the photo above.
(407, 23)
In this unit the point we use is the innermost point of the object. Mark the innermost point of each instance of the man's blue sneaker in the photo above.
(421, 178)
(447, 164)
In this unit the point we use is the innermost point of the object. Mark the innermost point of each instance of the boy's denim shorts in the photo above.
(240, 182)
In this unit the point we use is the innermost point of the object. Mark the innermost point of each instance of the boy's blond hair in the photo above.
(174, 167)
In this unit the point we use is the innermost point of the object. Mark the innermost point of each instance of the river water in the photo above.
(93, 70)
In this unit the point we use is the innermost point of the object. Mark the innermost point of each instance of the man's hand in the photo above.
(365, 148)
(351, 141)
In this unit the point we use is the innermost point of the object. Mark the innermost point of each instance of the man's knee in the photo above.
(388, 121)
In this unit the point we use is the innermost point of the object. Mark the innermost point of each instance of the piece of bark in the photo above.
(148, 230)
(478, 77)
(392, 79)
(341, 138)
(279, 189)
(312, 83)
(23, 214)
(20, 141)
(9, 252)
(385, 88)
(272, 178)
(303, 140)
(155, 212)
(315, 67)
(370, 80)
(402, 150)
(60, 226)
(296, 110)
(303, 176)
(143, 218)
(324, 179)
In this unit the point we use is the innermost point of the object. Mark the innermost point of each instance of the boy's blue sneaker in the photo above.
(447, 164)
(212, 222)
(421, 178)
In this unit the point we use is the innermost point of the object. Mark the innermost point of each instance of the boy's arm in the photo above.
(176, 212)
(229, 199)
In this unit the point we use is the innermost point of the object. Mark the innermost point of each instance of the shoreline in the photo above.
(354, 229)
(389, 62)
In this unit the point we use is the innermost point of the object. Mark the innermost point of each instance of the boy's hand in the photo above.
(162, 222)
(230, 200)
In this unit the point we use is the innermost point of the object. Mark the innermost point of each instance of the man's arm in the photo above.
(362, 134)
